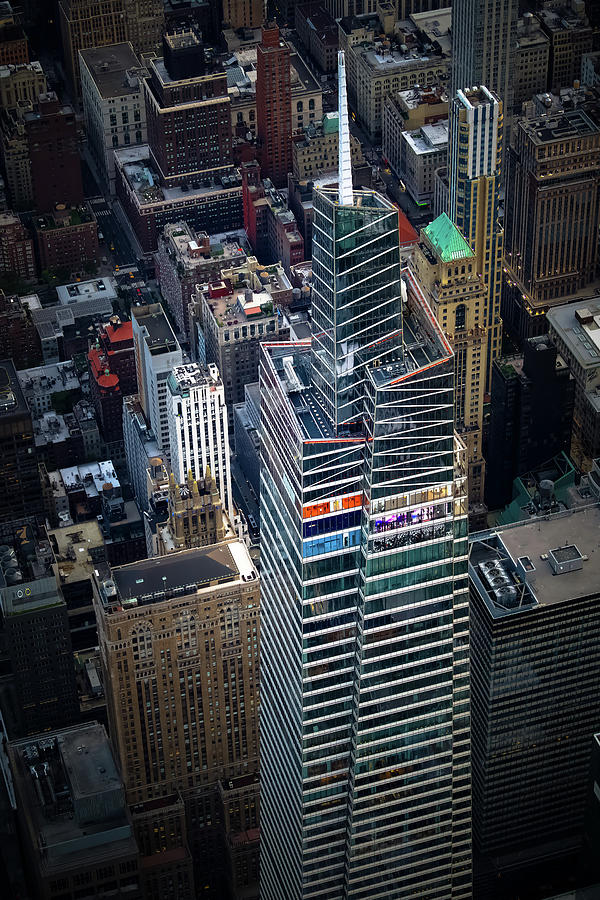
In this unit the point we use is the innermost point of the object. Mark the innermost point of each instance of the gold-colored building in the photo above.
(179, 639)
(196, 517)
(447, 271)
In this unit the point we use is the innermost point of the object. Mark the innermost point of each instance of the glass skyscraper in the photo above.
(365, 767)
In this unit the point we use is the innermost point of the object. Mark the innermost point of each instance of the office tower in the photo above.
(36, 633)
(145, 20)
(246, 424)
(484, 39)
(188, 111)
(113, 104)
(243, 13)
(157, 352)
(238, 314)
(19, 477)
(570, 36)
(198, 427)
(447, 270)
(18, 334)
(573, 328)
(535, 614)
(54, 153)
(530, 70)
(195, 518)
(73, 821)
(274, 105)
(179, 643)
(552, 214)
(85, 23)
(364, 656)
(476, 136)
(531, 415)
(187, 258)
(15, 159)
(375, 71)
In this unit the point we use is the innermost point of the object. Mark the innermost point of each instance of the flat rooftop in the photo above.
(577, 529)
(423, 38)
(77, 549)
(51, 378)
(559, 126)
(143, 180)
(155, 580)
(114, 69)
(578, 325)
(192, 375)
(429, 138)
(90, 477)
(74, 796)
(86, 290)
(160, 338)
(196, 249)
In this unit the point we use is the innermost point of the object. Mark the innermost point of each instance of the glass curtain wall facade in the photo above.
(365, 729)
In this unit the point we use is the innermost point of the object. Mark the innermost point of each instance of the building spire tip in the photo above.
(346, 194)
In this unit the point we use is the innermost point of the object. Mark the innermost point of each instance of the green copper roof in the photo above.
(447, 239)
(330, 123)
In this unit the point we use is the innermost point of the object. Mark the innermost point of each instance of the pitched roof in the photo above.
(447, 240)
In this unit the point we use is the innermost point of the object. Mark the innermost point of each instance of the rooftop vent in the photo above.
(565, 559)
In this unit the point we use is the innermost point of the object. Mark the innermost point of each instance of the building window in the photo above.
(460, 316)
(299, 106)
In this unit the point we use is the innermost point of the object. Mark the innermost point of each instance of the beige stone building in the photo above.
(21, 84)
(179, 642)
(145, 20)
(86, 23)
(417, 106)
(196, 517)
(446, 269)
(384, 56)
(317, 150)
(571, 36)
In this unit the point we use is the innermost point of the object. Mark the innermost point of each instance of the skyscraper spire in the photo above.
(346, 195)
